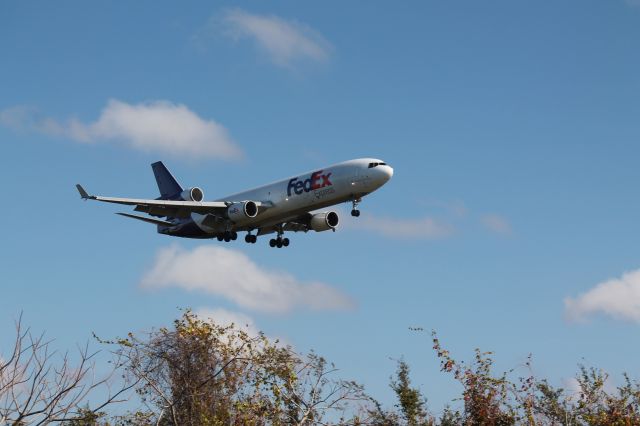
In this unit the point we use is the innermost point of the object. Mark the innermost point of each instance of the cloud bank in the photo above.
(232, 275)
(159, 126)
(618, 298)
(283, 41)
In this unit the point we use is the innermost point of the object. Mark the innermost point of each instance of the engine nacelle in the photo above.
(242, 210)
(324, 221)
(192, 194)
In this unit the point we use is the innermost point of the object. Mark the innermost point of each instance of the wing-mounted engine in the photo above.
(242, 210)
(192, 194)
(324, 221)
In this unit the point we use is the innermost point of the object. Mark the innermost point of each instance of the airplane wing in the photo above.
(162, 208)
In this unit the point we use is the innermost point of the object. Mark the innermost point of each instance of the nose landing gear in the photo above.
(354, 210)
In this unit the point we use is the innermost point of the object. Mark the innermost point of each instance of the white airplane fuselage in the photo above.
(287, 199)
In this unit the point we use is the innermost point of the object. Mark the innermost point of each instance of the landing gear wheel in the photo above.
(354, 210)
(254, 239)
(219, 237)
(272, 243)
(279, 243)
(234, 235)
(248, 239)
(285, 242)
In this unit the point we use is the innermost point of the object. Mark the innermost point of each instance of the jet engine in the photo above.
(192, 194)
(324, 221)
(242, 210)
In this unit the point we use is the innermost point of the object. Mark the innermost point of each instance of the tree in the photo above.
(200, 373)
(488, 400)
(40, 386)
(411, 402)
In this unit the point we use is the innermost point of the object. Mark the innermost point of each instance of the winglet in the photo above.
(83, 193)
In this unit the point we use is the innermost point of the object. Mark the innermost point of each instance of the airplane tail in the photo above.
(167, 184)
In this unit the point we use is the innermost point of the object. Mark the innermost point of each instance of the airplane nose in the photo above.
(388, 171)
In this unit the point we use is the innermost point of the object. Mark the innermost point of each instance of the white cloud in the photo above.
(618, 298)
(17, 117)
(284, 41)
(497, 224)
(231, 274)
(423, 228)
(159, 126)
(225, 318)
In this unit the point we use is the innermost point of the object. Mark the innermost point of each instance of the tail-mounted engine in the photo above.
(324, 221)
(242, 210)
(192, 194)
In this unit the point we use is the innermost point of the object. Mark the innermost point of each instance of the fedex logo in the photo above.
(317, 180)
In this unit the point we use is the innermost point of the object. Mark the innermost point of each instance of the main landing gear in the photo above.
(227, 236)
(250, 239)
(354, 210)
(279, 241)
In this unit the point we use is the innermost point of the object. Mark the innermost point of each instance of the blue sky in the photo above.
(511, 222)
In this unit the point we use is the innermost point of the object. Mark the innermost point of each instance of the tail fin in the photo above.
(167, 184)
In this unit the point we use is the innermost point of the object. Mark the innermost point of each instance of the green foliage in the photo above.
(450, 418)
(491, 400)
(411, 402)
(486, 398)
(200, 373)
(87, 417)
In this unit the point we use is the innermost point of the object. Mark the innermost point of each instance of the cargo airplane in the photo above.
(286, 205)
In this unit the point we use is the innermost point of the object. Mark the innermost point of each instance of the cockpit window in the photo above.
(372, 165)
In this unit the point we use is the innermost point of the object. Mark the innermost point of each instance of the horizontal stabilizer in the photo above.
(147, 219)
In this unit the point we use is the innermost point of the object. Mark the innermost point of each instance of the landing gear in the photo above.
(227, 236)
(250, 239)
(279, 241)
(354, 210)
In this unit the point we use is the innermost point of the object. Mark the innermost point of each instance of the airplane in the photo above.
(286, 205)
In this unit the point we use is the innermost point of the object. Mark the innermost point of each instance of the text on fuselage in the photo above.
(317, 180)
